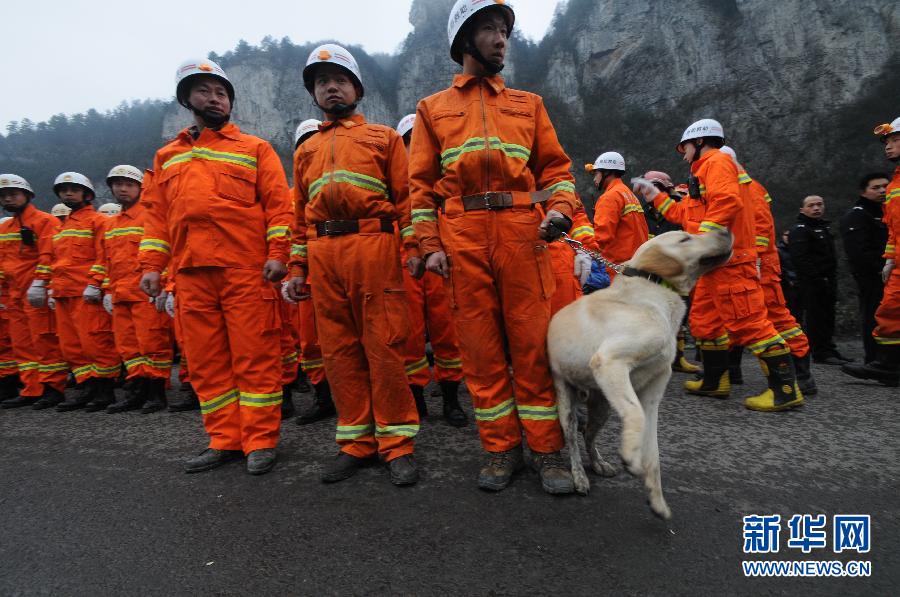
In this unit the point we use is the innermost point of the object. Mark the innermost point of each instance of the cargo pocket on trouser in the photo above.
(735, 301)
(387, 315)
(545, 270)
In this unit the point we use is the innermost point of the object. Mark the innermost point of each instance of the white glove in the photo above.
(37, 293)
(159, 301)
(107, 303)
(285, 295)
(51, 302)
(582, 267)
(170, 305)
(644, 187)
(888, 268)
(92, 294)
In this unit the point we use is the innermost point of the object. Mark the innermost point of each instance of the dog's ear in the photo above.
(655, 261)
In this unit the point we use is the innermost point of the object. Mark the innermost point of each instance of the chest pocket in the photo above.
(169, 181)
(450, 127)
(236, 183)
(82, 249)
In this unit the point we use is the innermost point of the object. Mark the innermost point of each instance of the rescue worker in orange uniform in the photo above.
(143, 334)
(571, 269)
(83, 325)
(26, 249)
(769, 270)
(350, 190)
(311, 361)
(619, 223)
(886, 367)
(429, 314)
(219, 207)
(728, 304)
(488, 157)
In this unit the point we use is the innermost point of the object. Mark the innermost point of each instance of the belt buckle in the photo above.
(487, 200)
(329, 229)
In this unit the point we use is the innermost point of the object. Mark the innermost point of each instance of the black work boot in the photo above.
(453, 412)
(805, 380)
(209, 459)
(260, 462)
(301, 384)
(783, 392)
(499, 469)
(9, 387)
(555, 473)
(156, 396)
(403, 471)
(50, 398)
(80, 398)
(287, 403)
(418, 393)
(135, 396)
(187, 399)
(343, 467)
(885, 369)
(20, 401)
(322, 408)
(104, 395)
(715, 381)
(735, 356)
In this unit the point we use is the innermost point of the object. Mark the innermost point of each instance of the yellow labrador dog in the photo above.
(616, 346)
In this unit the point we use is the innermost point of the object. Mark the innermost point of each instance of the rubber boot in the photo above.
(104, 394)
(80, 398)
(783, 392)
(805, 380)
(735, 356)
(885, 369)
(287, 402)
(135, 396)
(681, 364)
(156, 396)
(418, 393)
(453, 412)
(322, 408)
(715, 381)
(9, 387)
(186, 400)
(50, 398)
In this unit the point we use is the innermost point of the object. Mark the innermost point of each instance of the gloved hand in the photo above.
(598, 279)
(170, 305)
(889, 266)
(285, 295)
(107, 303)
(582, 271)
(645, 188)
(159, 301)
(37, 293)
(51, 302)
(92, 294)
(554, 224)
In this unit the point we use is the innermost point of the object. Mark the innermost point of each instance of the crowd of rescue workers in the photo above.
(436, 235)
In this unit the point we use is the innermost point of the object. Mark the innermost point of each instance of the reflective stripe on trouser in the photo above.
(231, 326)
(728, 301)
(567, 287)
(8, 364)
(289, 341)
(144, 339)
(310, 351)
(34, 341)
(429, 309)
(501, 284)
(86, 338)
(781, 317)
(887, 317)
(362, 318)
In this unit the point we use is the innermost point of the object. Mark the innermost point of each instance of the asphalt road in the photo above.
(96, 504)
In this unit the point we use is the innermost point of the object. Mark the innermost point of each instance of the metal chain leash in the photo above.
(578, 247)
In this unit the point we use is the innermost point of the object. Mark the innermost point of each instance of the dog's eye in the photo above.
(685, 239)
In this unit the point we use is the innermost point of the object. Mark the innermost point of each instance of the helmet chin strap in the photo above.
(339, 110)
(472, 49)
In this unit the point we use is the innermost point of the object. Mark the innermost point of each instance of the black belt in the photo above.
(339, 227)
(499, 200)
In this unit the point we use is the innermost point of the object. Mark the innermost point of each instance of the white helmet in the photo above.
(13, 181)
(125, 171)
(607, 161)
(305, 128)
(5, 219)
(334, 54)
(706, 127)
(406, 124)
(110, 209)
(60, 210)
(192, 68)
(729, 152)
(883, 130)
(74, 178)
(462, 11)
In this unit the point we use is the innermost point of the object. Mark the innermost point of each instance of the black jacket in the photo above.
(812, 249)
(864, 237)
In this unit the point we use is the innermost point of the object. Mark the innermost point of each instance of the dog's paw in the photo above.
(582, 483)
(659, 508)
(603, 468)
(633, 465)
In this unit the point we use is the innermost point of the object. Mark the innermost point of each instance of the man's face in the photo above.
(598, 178)
(333, 87)
(72, 195)
(491, 36)
(892, 147)
(14, 199)
(690, 150)
(209, 94)
(125, 190)
(813, 207)
(875, 190)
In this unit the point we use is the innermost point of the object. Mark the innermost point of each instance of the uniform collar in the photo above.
(702, 159)
(348, 123)
(229, 130)
(132, 212)
(495, 82)
(84, 213)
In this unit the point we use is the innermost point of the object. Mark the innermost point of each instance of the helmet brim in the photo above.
(456, 52)
(309, 74)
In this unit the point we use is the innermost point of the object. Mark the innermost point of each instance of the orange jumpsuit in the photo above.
(220, 210)
(728, 303)
(478, 136)
(143, 335)
(619, 223)
(84, 329)
(310, 352)
(887, 317)
(289, 343)
(355, 174)
(568, 287)
(9, 366)
(770, 266)
(32, 331)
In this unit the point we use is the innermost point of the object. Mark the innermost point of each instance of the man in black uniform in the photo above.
(811, 246)
(864, 237)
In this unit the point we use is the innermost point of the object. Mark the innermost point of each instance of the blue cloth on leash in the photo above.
(598, 279)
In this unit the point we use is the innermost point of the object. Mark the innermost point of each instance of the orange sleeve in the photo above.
(761, 224)
(398, 170)
(606, 219)
(299, 262)
(275, 197)
(582, 231)
(99, 272)
(892, 218)
(424, 172)
(551, 166)
(155, 249)
(723, 197)
(44, 231)
(673, 211)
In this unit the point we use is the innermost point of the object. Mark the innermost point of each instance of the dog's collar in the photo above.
(633, 272)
